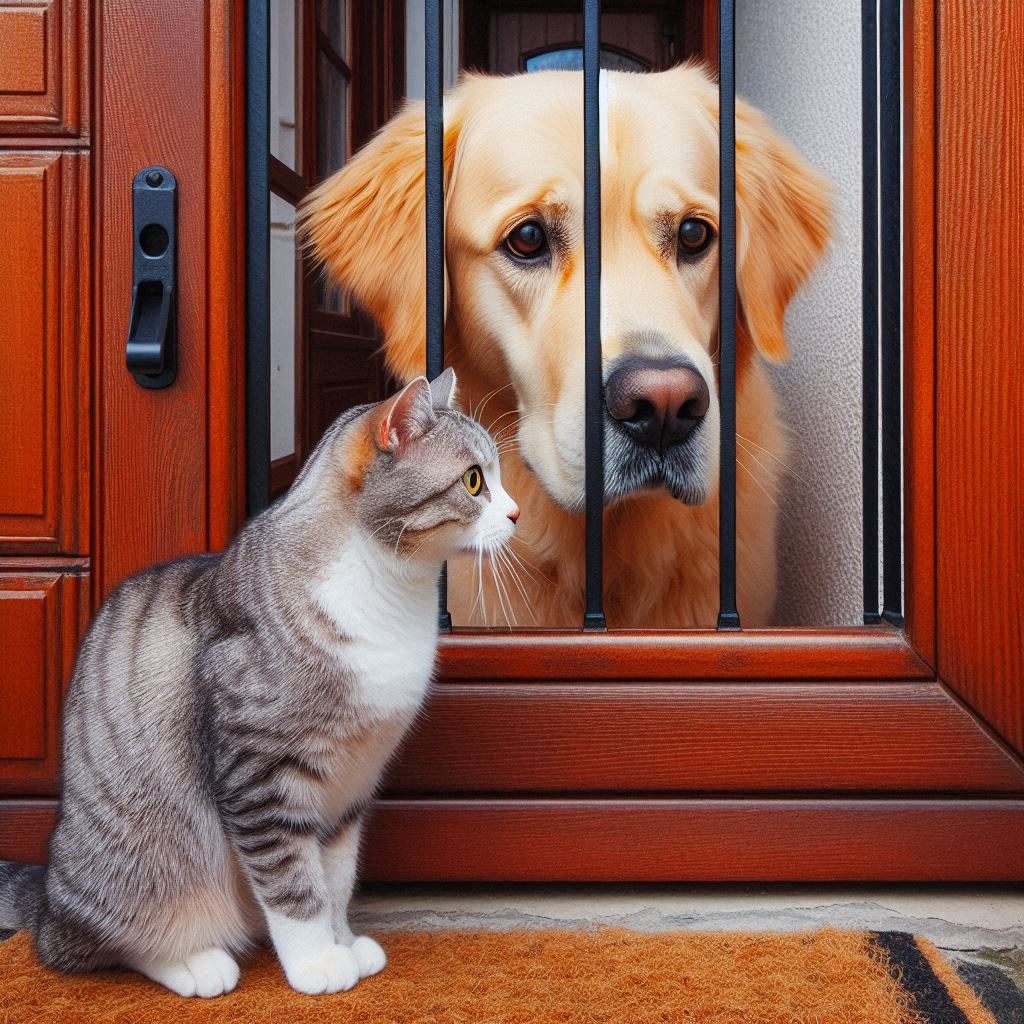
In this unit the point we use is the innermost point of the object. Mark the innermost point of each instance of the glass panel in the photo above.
(334, 25)
(332, 117)
(331, 148)
(283, 312)
(285, 91)
(570, 58)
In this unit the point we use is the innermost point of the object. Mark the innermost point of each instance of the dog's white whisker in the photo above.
(753, 476)
(785, 465)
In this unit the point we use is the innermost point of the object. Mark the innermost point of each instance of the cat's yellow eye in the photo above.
(473, 479)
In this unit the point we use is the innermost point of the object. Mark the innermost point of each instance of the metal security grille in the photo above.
(881, 300)
(882, 309)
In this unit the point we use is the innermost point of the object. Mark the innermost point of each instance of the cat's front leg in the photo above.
(288, 879)
(341, 858)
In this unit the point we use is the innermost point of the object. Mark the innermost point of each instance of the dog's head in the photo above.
(514, 260)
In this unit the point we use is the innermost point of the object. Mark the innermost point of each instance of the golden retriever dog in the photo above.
(513, 154)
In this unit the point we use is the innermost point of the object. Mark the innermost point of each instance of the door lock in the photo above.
(152, 351)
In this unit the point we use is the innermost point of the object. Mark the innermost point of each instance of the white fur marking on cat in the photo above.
(208, 973)
(391, 637)
(313, 962)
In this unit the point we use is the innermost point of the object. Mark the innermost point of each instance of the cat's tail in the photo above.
(21, 894)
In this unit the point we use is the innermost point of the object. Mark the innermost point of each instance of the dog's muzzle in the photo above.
(656, 408)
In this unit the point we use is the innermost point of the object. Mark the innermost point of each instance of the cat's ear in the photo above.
(407, 416)
(442, 390)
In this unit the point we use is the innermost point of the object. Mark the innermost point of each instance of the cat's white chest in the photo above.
(387, 629)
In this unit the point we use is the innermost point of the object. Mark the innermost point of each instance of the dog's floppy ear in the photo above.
(783, 218)
(366, 225)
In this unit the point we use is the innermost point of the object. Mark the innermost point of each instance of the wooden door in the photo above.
(99, 476)
(511, 36)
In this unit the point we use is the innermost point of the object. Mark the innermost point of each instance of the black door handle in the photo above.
(152, 351)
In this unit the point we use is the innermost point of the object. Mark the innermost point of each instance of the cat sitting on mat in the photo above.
(230, 715)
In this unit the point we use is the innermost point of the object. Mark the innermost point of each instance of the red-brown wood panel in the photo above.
(701, 737)
(168, 461)
(673, 840)
(43, 76)
(919, 327)
(25, 827)
(980, 383)
(856, 653)
(42, 618)
(696, 840)
(44, 372)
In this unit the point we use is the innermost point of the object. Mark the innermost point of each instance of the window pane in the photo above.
(332, 117)
(285, 67)
(570, 58)
(283, 312)
(331, 147)
(334, 24)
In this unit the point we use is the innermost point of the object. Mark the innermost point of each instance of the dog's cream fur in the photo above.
(514, 151)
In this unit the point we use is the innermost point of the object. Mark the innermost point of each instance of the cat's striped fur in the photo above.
(229, 716)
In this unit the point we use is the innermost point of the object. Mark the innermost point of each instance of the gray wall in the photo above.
(804, 72)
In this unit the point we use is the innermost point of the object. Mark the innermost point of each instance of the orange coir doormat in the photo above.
(825, 977)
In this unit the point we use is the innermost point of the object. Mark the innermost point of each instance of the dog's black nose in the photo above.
(660, 403)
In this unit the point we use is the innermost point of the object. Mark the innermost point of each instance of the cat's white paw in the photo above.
(333, 970)
(215, 972)
(369, 954)
(210, 972)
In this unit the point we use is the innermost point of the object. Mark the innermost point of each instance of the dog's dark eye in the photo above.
(528, 241)
(694, 236)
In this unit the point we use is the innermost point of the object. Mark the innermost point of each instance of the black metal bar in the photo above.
(257, 258)
(593, 616)
(433, 60)
(891, 312)
(728, 616)
(869, 313)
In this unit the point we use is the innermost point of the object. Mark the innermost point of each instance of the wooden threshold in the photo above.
(660, 840)
(859, 652)
(695, 840)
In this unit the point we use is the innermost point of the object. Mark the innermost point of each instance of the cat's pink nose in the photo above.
(514, 514)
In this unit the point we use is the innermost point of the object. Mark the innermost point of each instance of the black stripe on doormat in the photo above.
(999, 995)
(909, 967)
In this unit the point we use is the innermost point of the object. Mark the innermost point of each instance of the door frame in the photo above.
(867, 754)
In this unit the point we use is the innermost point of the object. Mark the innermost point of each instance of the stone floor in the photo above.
(979, 927)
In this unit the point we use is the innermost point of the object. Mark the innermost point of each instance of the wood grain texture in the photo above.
(726, 737)
(25, 827)
(168, 461)
(696, 840)
(42, 619)
(225, 329)
(44, 338)
(667, 840)
(919, 328)
(980, 383)
(22, 50)
(44, 69)
(856, 653)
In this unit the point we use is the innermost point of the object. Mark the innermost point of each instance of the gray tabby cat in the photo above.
(230, 716)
